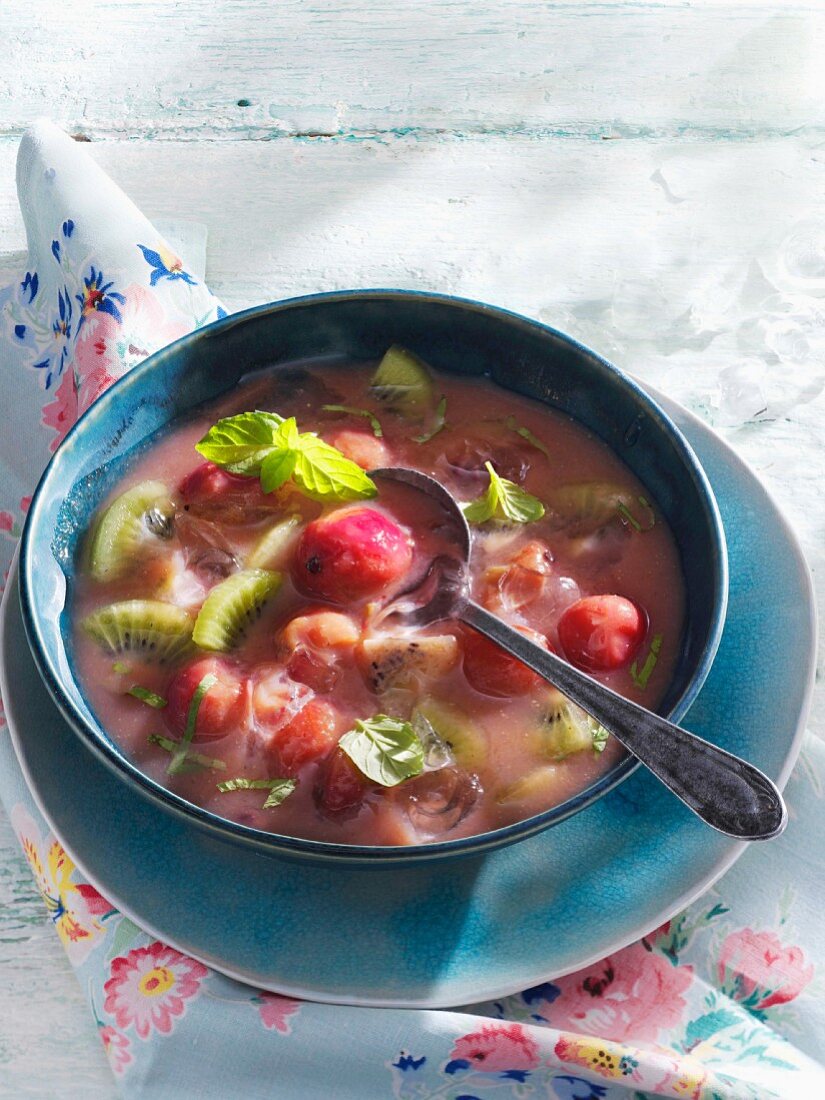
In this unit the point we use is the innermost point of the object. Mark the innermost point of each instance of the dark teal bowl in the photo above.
(455, 335)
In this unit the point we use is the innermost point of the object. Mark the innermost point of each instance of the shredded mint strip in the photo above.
(177, 761)
(193, 758)
(146, 696)
(525, 433)
(627, 515)
(640, 679)
(279, 789)
(375, 423)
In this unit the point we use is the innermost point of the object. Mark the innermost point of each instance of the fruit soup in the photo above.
(237, 625)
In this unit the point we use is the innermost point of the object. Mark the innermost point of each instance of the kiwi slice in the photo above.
(232, 605)
(584, 507)
(150, 629)
(539, 784)
(270, 548)
(392, 662)
(134, 516)
(566, 729)
(403, 383)
(467, 740)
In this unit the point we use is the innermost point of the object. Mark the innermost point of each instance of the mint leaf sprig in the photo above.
(265, 445)
(505, 501)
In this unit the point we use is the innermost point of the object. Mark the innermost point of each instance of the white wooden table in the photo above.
(648, 177)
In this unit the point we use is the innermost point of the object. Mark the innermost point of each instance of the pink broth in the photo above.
(300, 682)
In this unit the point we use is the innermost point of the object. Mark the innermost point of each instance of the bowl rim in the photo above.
(330, 851)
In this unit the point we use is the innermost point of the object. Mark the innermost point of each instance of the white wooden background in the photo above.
(648, 176)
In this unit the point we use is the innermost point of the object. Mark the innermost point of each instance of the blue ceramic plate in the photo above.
(447, 933)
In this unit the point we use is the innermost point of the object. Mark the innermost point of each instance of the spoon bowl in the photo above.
(726, 792)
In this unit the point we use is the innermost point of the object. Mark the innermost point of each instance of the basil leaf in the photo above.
(386, 750)
(322, 473)
(439, 422)
(504, 500)
(240, 443)
(375, 423)
(279, 789)
(177, 761)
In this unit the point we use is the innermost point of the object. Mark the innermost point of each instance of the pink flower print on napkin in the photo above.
(116, 1046)
(495, 1048)
(110, 344)
(61, 413)
(757, 971)
(275, 1011)
(149, 986)
(633, 994)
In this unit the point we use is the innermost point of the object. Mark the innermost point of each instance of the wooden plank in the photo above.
(255, 69)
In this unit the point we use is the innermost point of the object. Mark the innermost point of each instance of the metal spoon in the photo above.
(724, 791)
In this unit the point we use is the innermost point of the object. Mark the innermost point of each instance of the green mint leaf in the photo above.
(193, 758)
(525, 433)
(504, 500)
(322, 473)
(439, 422)
(147, 696)
(179, 758)
(375, 423)
(240, 443)
(279, 789)
(386, 750)
(641, 677)
(600, 736)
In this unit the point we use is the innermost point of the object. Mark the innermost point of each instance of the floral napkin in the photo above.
(722, 1003)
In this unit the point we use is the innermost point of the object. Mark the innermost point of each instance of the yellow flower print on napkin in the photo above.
(74, 908)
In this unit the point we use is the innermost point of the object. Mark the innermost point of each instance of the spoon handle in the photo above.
(726, 792)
